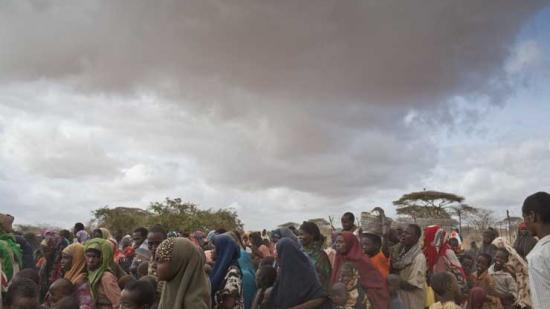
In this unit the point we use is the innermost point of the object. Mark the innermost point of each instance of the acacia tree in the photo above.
(427, 204)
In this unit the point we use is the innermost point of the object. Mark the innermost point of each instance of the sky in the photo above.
(282, 110)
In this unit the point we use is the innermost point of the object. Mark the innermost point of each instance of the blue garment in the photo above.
(297, 280)
(227, 254)
(249, 278)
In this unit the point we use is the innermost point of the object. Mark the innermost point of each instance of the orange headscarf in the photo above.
(77, 273)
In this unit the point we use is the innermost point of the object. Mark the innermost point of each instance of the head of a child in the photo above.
(467, 262)
(338, 294)
(483, 262)
(445, 286)
(59, 289)
(138, 294)
(371, 244)
(28, 273)
(393, 284)
(265, 276)
(124, 280)
(143, 269)
(501, 258)
(22, 294)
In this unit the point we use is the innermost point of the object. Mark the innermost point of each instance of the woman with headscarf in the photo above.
(10, 252)
(52, 245)
(226, 275)
(103, 283)
(181, 265)
(517, 267)
(313, 241)
(297, 283)
(73, 264)
(349, 252)
(439, 255)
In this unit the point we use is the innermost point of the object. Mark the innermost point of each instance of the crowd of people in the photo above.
(401, 267)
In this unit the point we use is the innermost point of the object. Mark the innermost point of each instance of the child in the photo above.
(265, 278)
(22, 293)
(506, 286)
(393, 285)
(124, 280)
(59, 289)
(137, 295)
(445, 286)
(68, 302)
(143, 269)
(483, 280)
(28, 273)
(338, 295)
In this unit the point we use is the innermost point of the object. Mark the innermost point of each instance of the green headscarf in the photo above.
(103, 246)
(10, 252)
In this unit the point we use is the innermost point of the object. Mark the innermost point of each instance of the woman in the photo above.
(349, 251)
(73, 264)
(313, 241)
(104, 285)
(10, 252)
(518, 268)
(283, 232)
(52, 246)
(226, 276)
(439, 255)
(181, 265)
(297, 283)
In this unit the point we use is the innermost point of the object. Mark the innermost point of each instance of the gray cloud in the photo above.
(291, 104)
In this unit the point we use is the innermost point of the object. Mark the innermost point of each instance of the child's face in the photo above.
(500, 260)
(128, 301)
(338, 296)
(482, 264)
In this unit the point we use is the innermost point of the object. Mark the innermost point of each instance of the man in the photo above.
(524, 242)
(156, 235)
(408, 261)
(536, 215)
(487, 246)
(348, 223)
(80, 233)
(141, 249)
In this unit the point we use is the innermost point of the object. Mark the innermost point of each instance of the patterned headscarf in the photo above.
(106, 250)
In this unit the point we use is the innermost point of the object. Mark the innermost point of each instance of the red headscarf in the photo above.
(433, 248)
(370, 278)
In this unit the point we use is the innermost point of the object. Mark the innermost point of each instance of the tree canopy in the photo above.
(173, 214)
(427, 204)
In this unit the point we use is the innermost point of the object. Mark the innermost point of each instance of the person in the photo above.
(393, 286)
(103, 283)
(536, 215)
(137, 295)
(181, 265)
(297, 283)
(408, 261)
(10, 253)
(474, 249)
(484, 280)
(127, 253)
(518, 268)
(27, 252)
(125, 280)
(265, 278)
(60, 288)
(22, 293)
(372, 247)
(156, 235)
(487, 246)
(259, 249)
(348, 223)
(446, 289)
(283, 232)
(80, 233)
(313, 241)
(226, 276)
(247, 270)
(505, 285)
(439, 255)
(477, 299)
(28, 274)
(139, 237)
(338, 295)
(369, 278)
(467, 262)
(52, 247)
(524, 242)
(143, 270)
(73, 264)
(456, 247)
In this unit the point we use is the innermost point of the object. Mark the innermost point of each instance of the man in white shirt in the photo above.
(536, 214)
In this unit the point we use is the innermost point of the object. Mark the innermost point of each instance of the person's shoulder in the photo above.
(108, 276)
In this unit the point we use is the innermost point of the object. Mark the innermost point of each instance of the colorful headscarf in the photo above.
(227, 254)
(435, 244)
(10, 252)
(106, 250)
(77, 273)
(371, 279)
